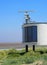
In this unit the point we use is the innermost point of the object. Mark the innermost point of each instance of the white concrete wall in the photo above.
(42, 34)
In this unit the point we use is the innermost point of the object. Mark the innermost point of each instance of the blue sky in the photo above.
(11, 21)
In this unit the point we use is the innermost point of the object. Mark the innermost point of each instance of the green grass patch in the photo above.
(19, 57)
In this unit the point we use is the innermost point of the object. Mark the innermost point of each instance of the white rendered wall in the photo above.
(42, 34)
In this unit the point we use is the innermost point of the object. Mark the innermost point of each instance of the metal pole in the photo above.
(33, 47)
(26, 48)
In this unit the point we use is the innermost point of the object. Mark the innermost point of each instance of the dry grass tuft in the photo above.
(35, 63)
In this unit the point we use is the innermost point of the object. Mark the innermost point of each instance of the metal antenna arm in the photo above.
(27, 17)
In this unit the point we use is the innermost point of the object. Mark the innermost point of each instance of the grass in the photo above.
(20, 57)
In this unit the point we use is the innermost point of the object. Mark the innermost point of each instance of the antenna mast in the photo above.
(27, 17)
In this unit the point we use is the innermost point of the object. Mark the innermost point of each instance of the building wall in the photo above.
(41, 34)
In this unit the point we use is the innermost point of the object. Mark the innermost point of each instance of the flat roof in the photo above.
(31, 23)
(36, 23)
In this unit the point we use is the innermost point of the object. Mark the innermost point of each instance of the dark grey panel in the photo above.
(30, 34)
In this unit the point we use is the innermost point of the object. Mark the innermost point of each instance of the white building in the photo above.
(34, 32)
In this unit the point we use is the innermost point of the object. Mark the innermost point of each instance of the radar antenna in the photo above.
(27, 17)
